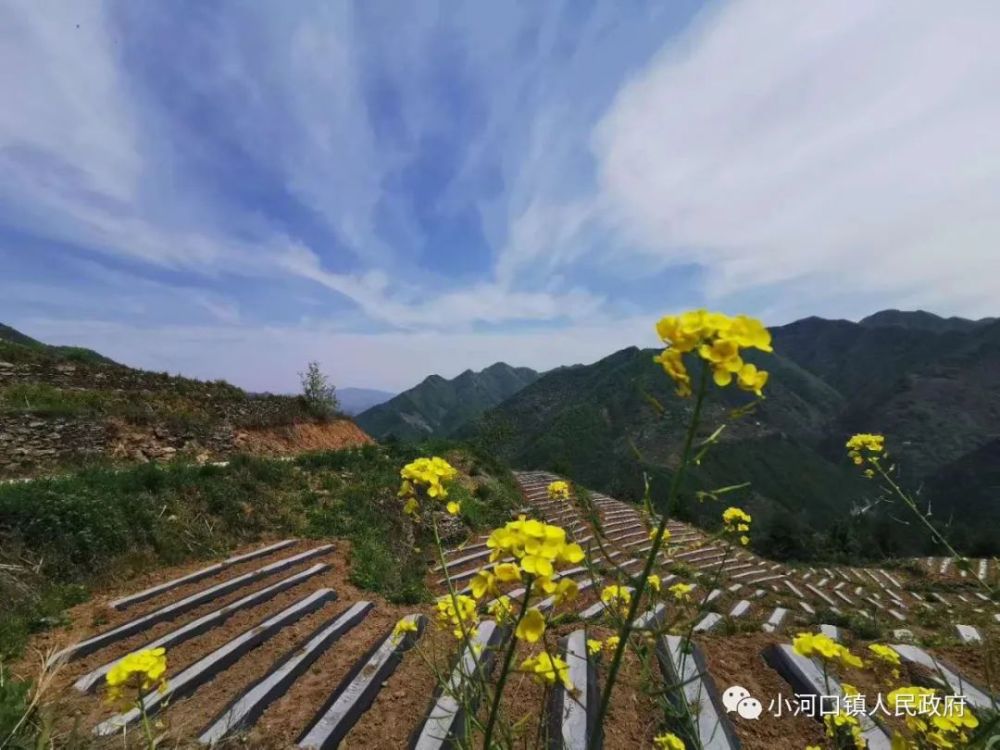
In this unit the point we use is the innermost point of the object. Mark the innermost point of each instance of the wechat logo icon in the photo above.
(738, 699)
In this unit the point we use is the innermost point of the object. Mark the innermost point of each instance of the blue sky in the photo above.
(231, 189)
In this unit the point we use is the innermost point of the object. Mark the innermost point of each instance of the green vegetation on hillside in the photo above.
(438, 407)
(933, 389)
(61, 537)
(16, 346)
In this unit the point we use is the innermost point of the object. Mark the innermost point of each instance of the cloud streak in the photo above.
(528, 174)
(782, 142)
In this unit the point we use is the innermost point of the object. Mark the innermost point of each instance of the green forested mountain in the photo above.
(437, 407)
(931, 385)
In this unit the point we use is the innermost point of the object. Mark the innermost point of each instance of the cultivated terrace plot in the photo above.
(275, 648)
(945, 629)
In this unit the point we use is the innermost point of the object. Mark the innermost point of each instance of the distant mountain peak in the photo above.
(920, 320)
(438, 407)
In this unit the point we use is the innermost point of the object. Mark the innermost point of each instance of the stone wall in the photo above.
(135, 416)
(217, 399)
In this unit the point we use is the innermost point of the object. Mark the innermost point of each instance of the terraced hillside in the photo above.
(64, 408)
(274, 648)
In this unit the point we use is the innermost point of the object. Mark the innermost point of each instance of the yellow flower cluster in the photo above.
(736, 523)
(666, 535)
(139, 671)
(827, 649)
(840, 724)
(668, 741)
(617, 598)
(531, 627)
(717, 339)
(886, 655)
(403, 627)
(546, 669)
(681, 591)
(537, 546)
(430, 477)
(864, 445)
(459, 611)
(609, 644)
(558, 490)
(933, 722)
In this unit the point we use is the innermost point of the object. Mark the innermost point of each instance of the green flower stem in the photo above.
(502, 679)
(703, 607)
(461, 623)
(626, 629)
(145, 721)
(935, 534)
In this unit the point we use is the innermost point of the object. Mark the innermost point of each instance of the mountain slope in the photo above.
(25, 347)
(935, 392)
(597, 424)
(931, 385)
(437, 407)
(64, 407)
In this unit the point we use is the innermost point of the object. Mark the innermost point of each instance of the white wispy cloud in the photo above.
(853, 144)
(82, 168)
(788, 158)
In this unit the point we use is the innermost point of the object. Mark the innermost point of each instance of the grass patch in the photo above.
(47, 400)
(61, 537)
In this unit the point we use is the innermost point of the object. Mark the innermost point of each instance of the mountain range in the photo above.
(930, 384)
(437, 407)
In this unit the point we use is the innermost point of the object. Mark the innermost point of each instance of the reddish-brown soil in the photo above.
(302, 438)
(980, 664)
(406, 696)
(736, 660)
(283, 722)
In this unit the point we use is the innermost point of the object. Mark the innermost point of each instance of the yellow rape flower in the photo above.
(668, 741)
(538, 546)
(611, 643)
(566, 590)
(460, 612)
(546, 669)
(429, 476)
(673, 365)
(749, 378)
(139, 671)
(666, 535)
(507, 572)
(558, 490)
(594, 646)
(531, 627)
(681, 591)
(886, 655)
(616, 597)
(500, 609)
(654, 582)
(717, 339)
(403, 627)
(736, 522)
(750, 332)
(824, 647)
(840, 724)
(483, 583)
